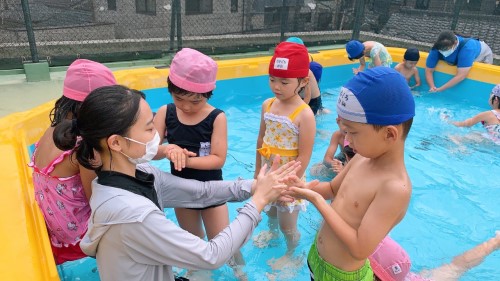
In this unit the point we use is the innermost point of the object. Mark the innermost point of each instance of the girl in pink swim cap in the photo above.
(62, 186)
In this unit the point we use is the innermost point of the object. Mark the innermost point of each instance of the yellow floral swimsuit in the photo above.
(282, 137)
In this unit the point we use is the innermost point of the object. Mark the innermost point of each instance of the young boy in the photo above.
(373, 191)
(408, 68)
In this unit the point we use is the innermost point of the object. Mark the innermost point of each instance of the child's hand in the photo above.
(434, 90)
(178, 156)
(305, 192)
(269, 184)
(337, 166)
(355, 71)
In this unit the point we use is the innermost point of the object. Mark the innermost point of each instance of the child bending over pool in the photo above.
(369, 52)
(287, 129)
(62, 185)
(490, 119)
(373, 191)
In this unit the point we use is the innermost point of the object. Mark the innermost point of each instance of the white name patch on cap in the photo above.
(348, 107)
(281, 63)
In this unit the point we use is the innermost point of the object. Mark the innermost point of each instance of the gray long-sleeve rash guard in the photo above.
(133, 240)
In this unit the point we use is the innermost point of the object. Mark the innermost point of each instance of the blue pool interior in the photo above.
(454, 204)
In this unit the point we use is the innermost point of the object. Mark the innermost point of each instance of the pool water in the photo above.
(454, 204)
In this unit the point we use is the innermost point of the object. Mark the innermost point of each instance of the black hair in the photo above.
(174, 89)
(497, 98)
(300, 90)
(349, 152)
(446, 40)
(64, 108)
(406, 127)
(106, 111)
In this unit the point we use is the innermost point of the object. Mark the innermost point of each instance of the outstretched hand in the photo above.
(269, 185)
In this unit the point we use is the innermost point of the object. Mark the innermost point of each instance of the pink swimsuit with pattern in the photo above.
(62, 201)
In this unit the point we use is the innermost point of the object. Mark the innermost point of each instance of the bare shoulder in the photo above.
(398, 66)
(397, 185)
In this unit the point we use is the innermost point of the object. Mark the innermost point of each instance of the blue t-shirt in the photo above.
(466, 56)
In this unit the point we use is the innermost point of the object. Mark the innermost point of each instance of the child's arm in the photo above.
(332, 148)
(218, 148)
(159, 123)
(361, 66)
(87, 176)
(417, 78)
(307, 132)
(260, 139)
(472, 121)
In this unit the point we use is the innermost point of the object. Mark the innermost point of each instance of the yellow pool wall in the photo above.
(26, 252)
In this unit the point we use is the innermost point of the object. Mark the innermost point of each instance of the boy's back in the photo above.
(371, 195)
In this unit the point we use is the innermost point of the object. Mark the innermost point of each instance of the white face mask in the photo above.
(449, 52)
(151, 150)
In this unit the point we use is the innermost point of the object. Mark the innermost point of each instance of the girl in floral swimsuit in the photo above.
(287, 128)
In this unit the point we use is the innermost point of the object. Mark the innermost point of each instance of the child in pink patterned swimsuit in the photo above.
(490, 118)
(287, 128)
(62, 186)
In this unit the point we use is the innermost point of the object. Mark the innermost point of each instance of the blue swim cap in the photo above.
(354, 49)
(295, 40)
(412, 54)
(377, 96)
(317, 70)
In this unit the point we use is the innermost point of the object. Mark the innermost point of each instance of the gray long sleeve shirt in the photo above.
(133, 240)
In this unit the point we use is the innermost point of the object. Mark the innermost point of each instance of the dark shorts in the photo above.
(201, 209)
(316, 104)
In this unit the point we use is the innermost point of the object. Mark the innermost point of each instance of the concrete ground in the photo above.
(17, 95)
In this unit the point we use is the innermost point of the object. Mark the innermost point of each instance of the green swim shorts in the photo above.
(322, 271)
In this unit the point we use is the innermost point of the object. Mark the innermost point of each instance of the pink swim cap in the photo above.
(83, 76)
(193, 71)
(389, 261)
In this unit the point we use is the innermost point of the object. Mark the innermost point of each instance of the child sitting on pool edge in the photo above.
(372, 192)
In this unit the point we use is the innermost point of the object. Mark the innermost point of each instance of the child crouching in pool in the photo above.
(373, 191)
(287, 128)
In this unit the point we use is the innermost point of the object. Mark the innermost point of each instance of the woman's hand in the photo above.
(269, 185)
(178, 156)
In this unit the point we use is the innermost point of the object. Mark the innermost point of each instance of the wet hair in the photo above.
(174, 89)
(107, 111)
(497, 98)
(63, 108)
(445, 40)
(406, 127)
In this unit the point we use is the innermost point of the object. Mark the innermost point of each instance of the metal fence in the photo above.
(60, 31)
